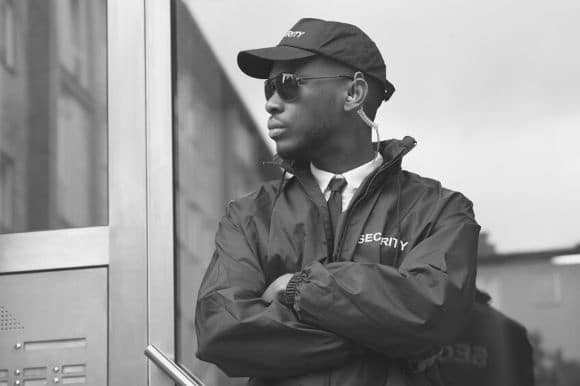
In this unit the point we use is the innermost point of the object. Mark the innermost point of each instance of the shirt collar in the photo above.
(353, 177)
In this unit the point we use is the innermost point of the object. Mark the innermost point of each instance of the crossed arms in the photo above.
(341, 309)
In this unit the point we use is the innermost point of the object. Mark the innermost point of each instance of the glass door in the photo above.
(85, 226)
(54, 192)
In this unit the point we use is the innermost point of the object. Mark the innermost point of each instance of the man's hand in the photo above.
(276, 287)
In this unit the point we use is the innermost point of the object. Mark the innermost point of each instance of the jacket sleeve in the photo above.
(404, 312)
(244, 335)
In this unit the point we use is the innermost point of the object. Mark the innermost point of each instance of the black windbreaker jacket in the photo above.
(396, 287)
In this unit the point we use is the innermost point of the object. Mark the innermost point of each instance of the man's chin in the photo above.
(289, 152)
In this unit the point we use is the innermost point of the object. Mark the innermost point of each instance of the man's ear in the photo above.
(357, 92)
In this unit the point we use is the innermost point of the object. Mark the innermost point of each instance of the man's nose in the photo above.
(274, 104)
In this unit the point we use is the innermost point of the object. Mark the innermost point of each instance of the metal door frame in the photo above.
(160, 216)
(141, 215)
(127, 192)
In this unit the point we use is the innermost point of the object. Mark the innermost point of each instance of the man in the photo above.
(492, 349)
(348, 271)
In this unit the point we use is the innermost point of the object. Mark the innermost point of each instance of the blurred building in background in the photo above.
(53, 169)
(219, 153)
(541, 290)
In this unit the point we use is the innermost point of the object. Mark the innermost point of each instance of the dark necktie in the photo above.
(336, 185)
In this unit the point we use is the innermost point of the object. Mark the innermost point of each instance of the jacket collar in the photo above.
(390, 150)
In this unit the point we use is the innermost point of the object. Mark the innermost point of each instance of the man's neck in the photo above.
(342, 162)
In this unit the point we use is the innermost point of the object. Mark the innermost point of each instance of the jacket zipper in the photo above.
(360, 197)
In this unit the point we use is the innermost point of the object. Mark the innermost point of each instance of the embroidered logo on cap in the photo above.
(294, 34)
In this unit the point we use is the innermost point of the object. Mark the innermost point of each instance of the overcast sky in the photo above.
(490, 90)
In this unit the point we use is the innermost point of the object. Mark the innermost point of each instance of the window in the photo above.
(73, 29)
(72, 163)
(7, 34)
(53, 122)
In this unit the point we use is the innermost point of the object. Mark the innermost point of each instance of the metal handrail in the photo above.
(172, 369)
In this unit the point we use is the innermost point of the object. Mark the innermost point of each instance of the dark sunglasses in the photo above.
(287, 85)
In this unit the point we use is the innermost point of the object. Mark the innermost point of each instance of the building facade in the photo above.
(534, 289)
(219, 155)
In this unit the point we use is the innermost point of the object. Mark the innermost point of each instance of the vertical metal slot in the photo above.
(34, 372)
(35, 382)
(57, 344)
(71, 369)
(74, 380)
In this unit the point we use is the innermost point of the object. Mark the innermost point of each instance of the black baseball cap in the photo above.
(342, 42)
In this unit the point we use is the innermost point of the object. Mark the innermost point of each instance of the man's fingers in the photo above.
(271, 292)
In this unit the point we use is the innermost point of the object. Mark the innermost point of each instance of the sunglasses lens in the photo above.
(269, 88)
(285, 84)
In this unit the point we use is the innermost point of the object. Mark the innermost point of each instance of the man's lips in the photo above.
(276, 132)
(275, 129)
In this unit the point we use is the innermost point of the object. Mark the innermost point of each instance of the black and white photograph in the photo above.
(289, 193)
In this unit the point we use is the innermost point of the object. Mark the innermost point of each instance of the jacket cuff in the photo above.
(287, 297)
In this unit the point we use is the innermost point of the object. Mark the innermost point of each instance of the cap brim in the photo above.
(258, 63)
(389, 90)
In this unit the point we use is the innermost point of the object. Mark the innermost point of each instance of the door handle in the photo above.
(169, 367)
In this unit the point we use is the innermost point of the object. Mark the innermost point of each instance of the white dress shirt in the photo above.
(353, 177)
